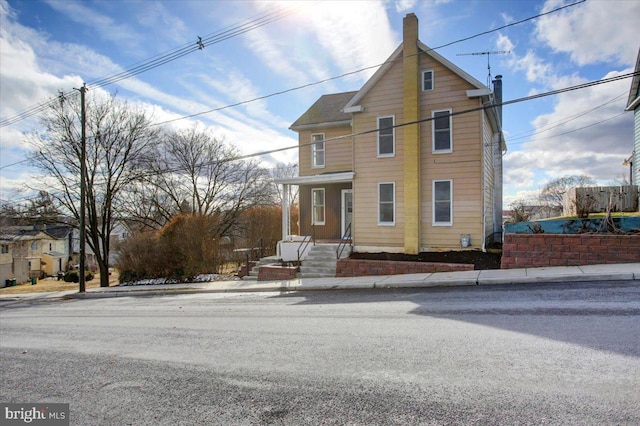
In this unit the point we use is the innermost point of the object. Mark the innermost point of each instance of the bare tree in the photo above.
(285, 171)
(118, 138)
(194, 172)
(552, 193)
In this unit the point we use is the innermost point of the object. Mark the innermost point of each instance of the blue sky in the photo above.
(47, 46)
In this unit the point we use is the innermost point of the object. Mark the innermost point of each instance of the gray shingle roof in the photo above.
(325, 110)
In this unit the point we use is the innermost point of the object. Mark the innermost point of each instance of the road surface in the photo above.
(523, 354)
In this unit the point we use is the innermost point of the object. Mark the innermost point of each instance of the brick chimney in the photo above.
(497, 96)
(411, 134)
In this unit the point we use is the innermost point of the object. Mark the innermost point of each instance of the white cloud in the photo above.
(577, 138)
(106, 27)
(593, 32)
(154, 15)
(365, 39)
(402, 5)
(306, 47)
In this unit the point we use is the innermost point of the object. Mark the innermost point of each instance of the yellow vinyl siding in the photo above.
(338, 153)
(384, 99)
(488, 174)
(463, 166)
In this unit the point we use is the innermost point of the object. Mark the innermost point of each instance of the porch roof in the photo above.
(323, 178)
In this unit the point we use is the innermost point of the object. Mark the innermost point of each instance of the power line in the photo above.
(467, 111)
(240, 29)
(161, 59)
(529, 133)
(572, 130)
(14, 164)
(281, 92)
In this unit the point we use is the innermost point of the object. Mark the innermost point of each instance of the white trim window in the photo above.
(317, 206)
(386, 137)
(386, 203)
(317, 151)
(443, 202)
(441, 131)
(427, 80)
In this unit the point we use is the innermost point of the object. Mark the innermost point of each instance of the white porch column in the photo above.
(286, 213)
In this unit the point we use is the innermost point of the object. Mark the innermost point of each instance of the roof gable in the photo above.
(326, 110)
(396, 56)
(634, 92)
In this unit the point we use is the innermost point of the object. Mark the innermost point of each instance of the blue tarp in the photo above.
(571, 226)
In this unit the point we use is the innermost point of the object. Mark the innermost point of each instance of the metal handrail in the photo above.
(346, 238)
(255, 246)
(306, 242)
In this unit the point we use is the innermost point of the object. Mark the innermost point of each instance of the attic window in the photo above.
(427, 80)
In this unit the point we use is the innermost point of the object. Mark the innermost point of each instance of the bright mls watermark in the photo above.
(40, 414)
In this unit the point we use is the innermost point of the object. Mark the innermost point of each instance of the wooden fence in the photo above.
(595, 199)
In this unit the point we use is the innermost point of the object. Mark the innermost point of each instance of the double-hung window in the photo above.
(442, 203)
(427, 80)
(441, 131)
(317, 206)
(386, 203)
(386, 137)
(317, 150)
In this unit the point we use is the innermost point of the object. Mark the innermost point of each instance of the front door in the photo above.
(347, 209)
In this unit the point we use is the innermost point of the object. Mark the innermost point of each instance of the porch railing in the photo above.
(305, 243)
(346, 239)
(257, 246)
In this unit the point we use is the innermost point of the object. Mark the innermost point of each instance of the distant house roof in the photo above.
(58, 231)
(325, 111)
(634, 92)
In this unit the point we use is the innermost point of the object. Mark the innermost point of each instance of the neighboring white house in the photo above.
(633, 104)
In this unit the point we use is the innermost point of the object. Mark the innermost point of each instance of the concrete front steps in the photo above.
(321, 261)
(253, 273)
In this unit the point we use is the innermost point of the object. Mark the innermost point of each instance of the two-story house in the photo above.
(34, 251)
(411, 162)
(633, 104)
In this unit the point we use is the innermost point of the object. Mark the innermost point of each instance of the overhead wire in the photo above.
(155, 61)
(239, 30)
(455, 113)
(370, 131)
(315, 83)
(558, 123)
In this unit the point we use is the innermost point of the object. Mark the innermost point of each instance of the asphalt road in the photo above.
(535, 354)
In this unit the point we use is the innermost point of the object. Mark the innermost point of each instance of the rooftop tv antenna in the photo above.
(494, 52)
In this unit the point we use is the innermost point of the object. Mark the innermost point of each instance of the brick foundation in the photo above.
(362, 267)
(274, 273)
(539, 250)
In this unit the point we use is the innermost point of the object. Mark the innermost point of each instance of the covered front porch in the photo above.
(325, 205)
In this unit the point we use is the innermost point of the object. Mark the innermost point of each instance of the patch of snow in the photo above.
(204, 278)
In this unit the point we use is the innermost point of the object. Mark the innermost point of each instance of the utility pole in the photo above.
(83, 195)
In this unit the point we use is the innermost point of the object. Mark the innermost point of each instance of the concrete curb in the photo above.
(616, 272)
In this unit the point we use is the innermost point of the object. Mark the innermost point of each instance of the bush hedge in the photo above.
(73, 276)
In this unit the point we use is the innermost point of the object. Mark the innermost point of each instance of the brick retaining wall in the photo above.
(361, 267)
(538, 250)
(272, 273)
